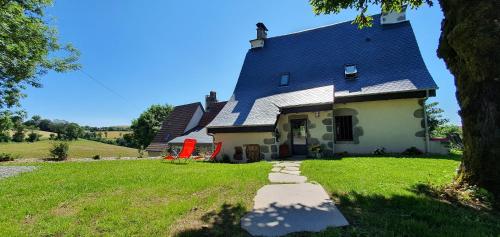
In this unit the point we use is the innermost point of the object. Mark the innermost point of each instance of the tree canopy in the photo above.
(363, 20)
(28, 49)
(149, 123)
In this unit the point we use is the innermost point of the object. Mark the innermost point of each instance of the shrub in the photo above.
(96, 157)
(412, 151)
(4, 137)
(33, 137)
(226, 158)
(59, 151)
(7, 157)
(52, 136)
(380, 151)
(140, 152)
(18, 136)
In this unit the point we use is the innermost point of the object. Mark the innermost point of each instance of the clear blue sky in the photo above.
(175, 52)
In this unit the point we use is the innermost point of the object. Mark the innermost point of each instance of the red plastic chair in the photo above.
(186, 151)
(218, 147)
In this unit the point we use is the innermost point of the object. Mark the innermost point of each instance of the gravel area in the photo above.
(6, 171)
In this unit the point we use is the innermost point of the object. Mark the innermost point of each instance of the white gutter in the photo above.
(425, 123)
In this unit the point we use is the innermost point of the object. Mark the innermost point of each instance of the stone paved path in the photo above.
(290, 204)
(6, 171)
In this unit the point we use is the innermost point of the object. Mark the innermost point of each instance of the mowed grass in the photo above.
(381, 197)
(113, 134)
(128, 198)
(77, 149)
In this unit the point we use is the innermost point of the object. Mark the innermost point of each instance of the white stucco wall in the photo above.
(232, 140)
(391, 124)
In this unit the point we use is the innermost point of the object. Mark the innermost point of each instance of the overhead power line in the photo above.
(109, 89)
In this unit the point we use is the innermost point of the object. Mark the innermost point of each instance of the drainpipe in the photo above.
(425, 123)
(333, 129)
(333, 121)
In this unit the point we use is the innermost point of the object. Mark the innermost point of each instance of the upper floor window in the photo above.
(351, 71)
(284, 79)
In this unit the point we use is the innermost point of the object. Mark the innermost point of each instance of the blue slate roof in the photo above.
(200, 134)
(387, 58)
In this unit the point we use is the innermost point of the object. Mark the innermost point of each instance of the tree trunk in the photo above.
(470, 46)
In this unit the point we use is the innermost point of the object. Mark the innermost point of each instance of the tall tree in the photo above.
(435, 116)
(28, 49)
(149, 123)
(470, 33)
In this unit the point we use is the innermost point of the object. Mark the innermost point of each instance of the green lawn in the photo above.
(129, 198)
(380, 197)
(77, 149)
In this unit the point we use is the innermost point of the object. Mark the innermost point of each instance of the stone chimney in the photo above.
(261, 36)
(261, 31)
(210, 100)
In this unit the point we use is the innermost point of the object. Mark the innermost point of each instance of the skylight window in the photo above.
(351, 71)
(284, 79)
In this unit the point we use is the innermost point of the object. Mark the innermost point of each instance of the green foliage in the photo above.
(446, 129)
(362, 20)
(6, 125)
(7, 157)
(34, 121)
(435, 116)
(59, 151)
(66, 131)
(18, 136)
(33, 137)
(28, 44)
(149, 123)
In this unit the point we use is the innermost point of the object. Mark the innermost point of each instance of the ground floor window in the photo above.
(343, 128)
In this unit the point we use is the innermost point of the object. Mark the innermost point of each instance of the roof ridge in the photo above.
(188, 104)
(316, 28)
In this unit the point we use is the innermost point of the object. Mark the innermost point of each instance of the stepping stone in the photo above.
(286, 178)
(281, 209)
(291, 168)
(287, 165)
(296, 172)
(277, 169)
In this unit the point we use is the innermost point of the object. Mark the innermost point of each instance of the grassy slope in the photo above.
(379, 197)
(113, 134)
(45, 135)
(124, 198)
(77, 149)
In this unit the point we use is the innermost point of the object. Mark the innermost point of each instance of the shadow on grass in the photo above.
(374, 215)
(225, 222)
(174, 162)
(411, 215)
(452, 156)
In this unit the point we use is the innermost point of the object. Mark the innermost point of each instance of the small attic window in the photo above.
(284, 79)
(351, 71)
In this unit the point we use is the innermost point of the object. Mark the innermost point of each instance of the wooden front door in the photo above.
(253, 153)
(299, 136)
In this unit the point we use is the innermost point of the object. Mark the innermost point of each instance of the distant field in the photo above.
(113, 134)
(77, 149)
(45, 135)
